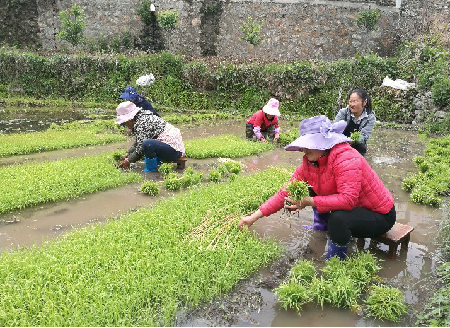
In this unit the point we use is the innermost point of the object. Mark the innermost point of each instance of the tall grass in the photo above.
(142, 269)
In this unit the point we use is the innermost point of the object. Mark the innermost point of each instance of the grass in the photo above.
(37, 183)
(139, 270)
(298, 189)
(70, 135)
(225, 145)
(385, 303)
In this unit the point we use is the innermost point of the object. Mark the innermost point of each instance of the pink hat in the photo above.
(318, 133)
(272, 107)
(126, 111)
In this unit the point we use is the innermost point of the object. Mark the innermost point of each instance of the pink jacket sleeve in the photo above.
(348, 175)
(276, 202)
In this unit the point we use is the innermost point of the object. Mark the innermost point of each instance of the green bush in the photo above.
(168, 19)
(440, 91)
(72, 25)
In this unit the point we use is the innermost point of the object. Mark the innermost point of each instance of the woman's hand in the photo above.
(263, 140)
(296, 205)
(250, 219)
(124, 157)
(125, 164)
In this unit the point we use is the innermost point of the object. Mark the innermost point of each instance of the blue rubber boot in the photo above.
(320, 221)
(151, 164)
(336, 250)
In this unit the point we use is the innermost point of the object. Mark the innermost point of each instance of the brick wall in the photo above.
(292, 29)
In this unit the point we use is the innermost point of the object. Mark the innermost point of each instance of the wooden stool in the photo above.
(399, 234)
(181, 163)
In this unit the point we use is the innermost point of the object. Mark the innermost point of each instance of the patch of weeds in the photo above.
(226, 145)
(385, 303)
(150, 188)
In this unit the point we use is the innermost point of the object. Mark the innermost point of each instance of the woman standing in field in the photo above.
(343, 184)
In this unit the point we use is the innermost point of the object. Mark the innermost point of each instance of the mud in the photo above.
(252, 302)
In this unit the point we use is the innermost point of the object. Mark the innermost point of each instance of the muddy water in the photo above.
(252, 303)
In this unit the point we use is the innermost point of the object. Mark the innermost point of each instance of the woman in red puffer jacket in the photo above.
(341, 183)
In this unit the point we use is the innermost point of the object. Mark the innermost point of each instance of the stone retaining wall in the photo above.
(292, 29)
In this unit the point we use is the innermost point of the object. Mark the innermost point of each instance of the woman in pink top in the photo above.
(342, 185)
(263, 124)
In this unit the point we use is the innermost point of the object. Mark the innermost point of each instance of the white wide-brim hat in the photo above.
(126, 111)
(271, 107)
(318, 133)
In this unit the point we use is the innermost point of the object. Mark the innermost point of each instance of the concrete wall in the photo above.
(292, 29)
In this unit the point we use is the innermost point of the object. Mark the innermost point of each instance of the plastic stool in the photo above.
(151, 164)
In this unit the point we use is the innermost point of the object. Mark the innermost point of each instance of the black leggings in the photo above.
(359, 223)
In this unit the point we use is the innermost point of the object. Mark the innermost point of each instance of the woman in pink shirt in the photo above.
(343, 186)
(263, 124)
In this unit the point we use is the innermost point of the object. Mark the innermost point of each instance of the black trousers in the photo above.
(359, 223)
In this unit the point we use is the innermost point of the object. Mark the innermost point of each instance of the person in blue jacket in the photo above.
(132, 95)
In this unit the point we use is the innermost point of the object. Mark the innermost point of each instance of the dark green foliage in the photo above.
(440, 91)
(368, 18)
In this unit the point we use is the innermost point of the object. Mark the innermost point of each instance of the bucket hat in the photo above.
(130, 94)
(318, 133)
(271, 107)
(126, 111)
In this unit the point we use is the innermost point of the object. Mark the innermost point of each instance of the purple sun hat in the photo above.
(318, 133)
(130, 94)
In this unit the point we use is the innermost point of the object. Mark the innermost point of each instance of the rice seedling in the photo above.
(224, 146)
(293, 295)
(288, 137)
(340, 284)
(70, 135)
(215, 175)
(303, 272)
(173, 181)
(139, 270)
(431, 181)
(37, 183)
(385, 303)
(191, 178)
(298, 189)
(165, 168)
(355, 136)
(150, 188)
(215, 230)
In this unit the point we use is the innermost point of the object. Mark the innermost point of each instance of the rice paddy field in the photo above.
(83, 243)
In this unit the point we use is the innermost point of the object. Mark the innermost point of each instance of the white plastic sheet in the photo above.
(397, 84)
(145, 80)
